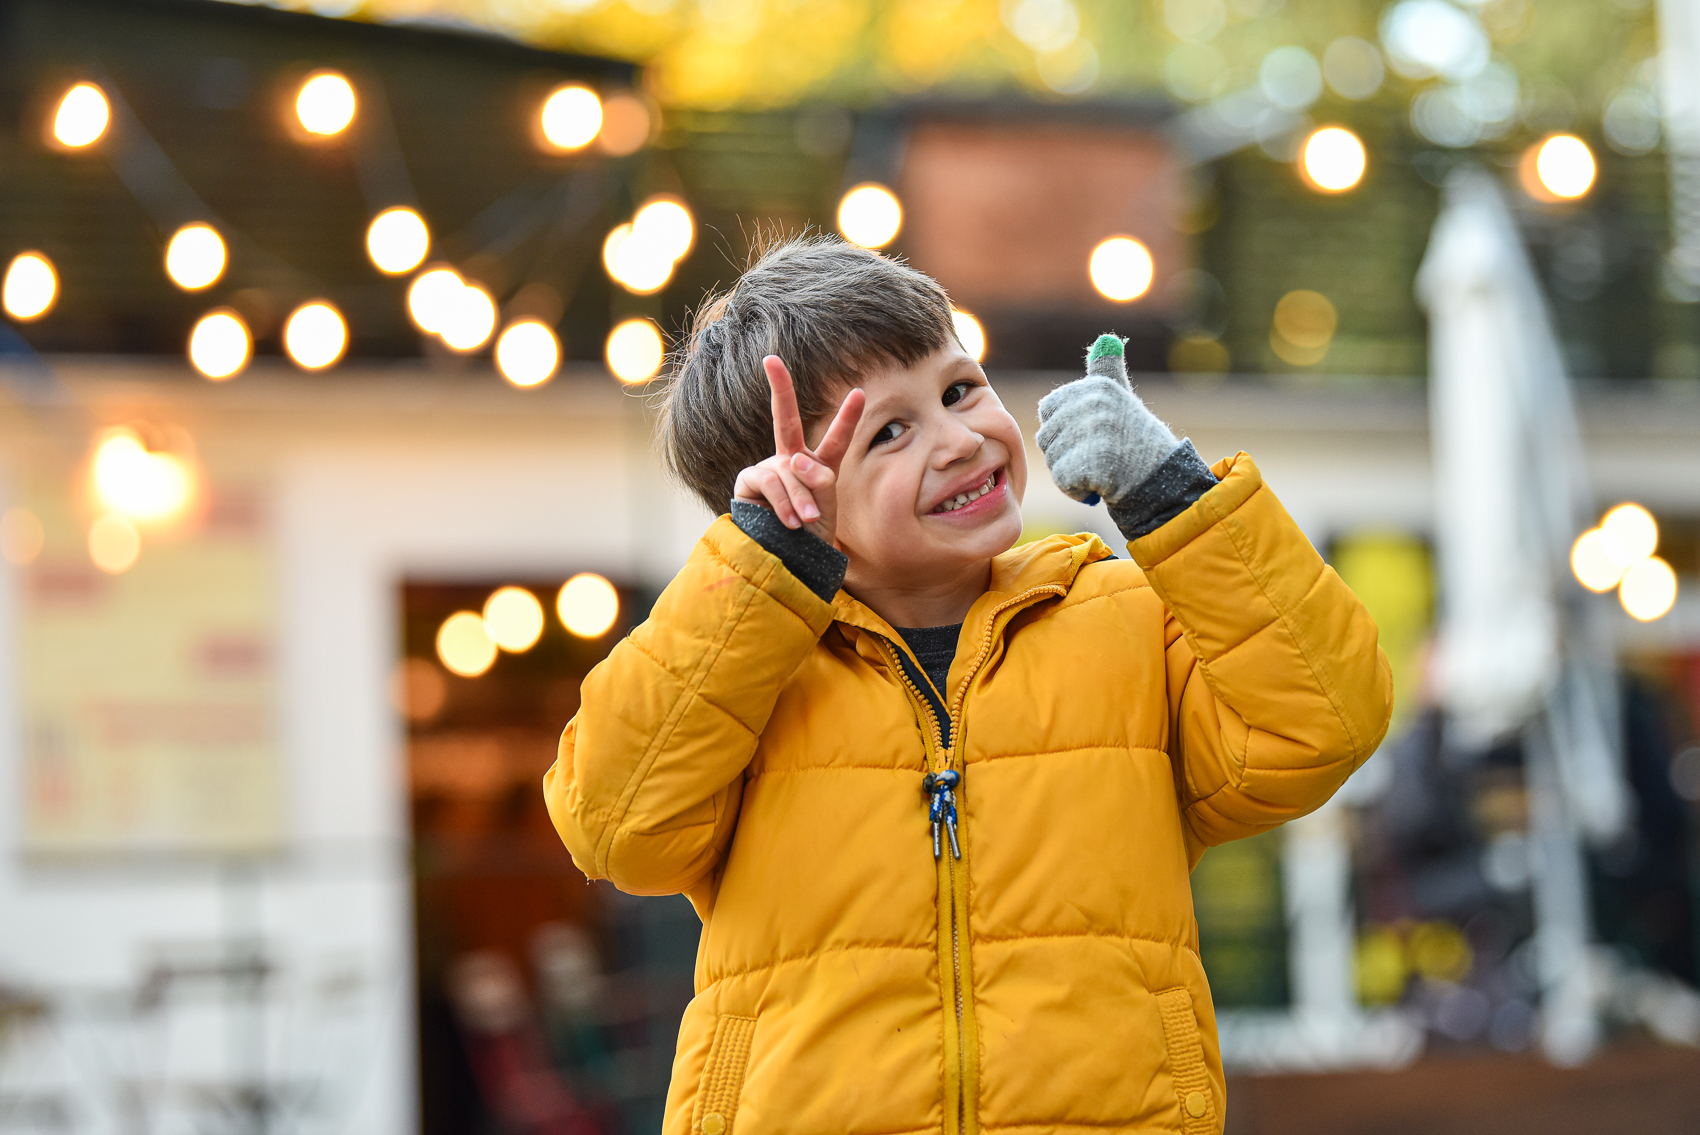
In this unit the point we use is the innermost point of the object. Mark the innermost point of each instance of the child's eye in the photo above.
(956, 392)
(891, 431)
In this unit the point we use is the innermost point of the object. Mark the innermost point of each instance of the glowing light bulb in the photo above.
(114, 544)
(587, 605)
(634, 262)
(195, 257)
(325, 104)
(220, 346)
(314, 335)
(30, 287)
(470, 319)
(1593, 563)
(1648, 590)
(1332, 159)
(1628, 534)
(1559, 168)
(970, 334)
(1121, 269)
(635, 351)
(571, 117)
(397, 240)
(82, 116)
(513, 618)
(464, 646)
(665, 222)
(431, 298)
(527, 353)
(133, 481)
(870, 215)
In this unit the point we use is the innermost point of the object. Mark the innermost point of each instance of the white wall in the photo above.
(375, 478)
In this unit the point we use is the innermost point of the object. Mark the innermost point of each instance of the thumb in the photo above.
(1107, 358)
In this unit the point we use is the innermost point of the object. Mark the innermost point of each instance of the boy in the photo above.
(936, 797)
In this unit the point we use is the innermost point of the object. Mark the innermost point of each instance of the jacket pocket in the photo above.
(723, 1076)
(1186, 1063)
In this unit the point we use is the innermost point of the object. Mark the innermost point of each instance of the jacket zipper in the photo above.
(930, 699)
(921, 689)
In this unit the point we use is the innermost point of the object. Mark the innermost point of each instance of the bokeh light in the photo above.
(195, 257)
(638, 265)
(114, 544)
(587, 605)
(220, 346)
(1593, 563)
(513, 618)
(30, 287)
(21, 535)
(133, 481)
(470, 320)
(1303, 327)
(571, 117)
(397, 240)
(635, 351)
(82, 116)
(464, 646)
(431, 298)
(870, 215)
(314, 335)
(1199, 353)
(1121, 269)
(626, 124)
(1629, 533)
(1560, 167)
(325, 104)
(1648, 590)
(528, 353)
(1332, 159)
(418, 689)
(969, 333)
(640, 255)
(666, 223)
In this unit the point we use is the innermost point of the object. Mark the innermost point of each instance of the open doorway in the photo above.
(547, 1005)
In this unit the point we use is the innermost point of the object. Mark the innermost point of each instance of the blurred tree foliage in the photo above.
(767, 53)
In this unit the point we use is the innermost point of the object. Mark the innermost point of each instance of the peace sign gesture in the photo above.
(797, 483)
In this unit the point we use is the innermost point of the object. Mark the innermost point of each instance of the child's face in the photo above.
(931, 434)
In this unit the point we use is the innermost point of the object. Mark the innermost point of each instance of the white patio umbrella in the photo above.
(1518, 651)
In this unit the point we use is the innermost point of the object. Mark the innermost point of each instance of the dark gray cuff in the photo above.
(1182, 478)
(818, 564)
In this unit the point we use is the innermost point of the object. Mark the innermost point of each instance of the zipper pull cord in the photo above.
(941, 787)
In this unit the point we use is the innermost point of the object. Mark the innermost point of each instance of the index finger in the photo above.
(787, 422)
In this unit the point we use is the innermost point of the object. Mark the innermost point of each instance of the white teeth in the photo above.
(961, 499)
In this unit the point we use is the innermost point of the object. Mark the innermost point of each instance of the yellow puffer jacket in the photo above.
(762, 751)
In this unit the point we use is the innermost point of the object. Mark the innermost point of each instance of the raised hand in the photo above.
(1098, 438)
(798, 483)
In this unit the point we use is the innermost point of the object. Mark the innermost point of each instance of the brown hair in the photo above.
(831, 310)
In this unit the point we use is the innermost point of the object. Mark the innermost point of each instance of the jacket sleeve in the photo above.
(1277, 688)
(646, 787)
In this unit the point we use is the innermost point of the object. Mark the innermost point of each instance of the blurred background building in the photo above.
(326, 473)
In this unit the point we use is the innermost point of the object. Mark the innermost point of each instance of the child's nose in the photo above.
(957, 442)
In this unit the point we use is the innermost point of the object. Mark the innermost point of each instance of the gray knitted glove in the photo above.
(1097, 436)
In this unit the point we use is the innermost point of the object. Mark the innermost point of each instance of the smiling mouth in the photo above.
(963, 500)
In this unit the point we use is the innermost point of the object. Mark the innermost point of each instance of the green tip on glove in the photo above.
(1107, 345)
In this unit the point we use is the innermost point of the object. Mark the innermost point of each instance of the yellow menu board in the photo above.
(148, 696)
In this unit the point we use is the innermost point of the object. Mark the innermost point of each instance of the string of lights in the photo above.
(641, 255)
